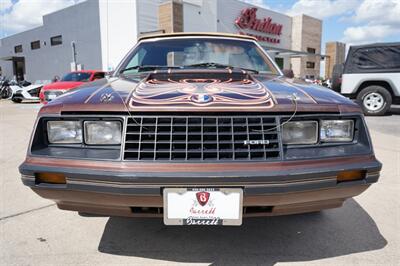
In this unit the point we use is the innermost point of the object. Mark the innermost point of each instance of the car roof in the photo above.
(86, 71)
(197, 34)
(382, 44)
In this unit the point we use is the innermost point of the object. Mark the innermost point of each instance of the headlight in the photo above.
(337, 130)
(300, 132)
(64, 131)
(102, 132)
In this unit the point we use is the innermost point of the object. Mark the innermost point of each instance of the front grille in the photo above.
(202, 138)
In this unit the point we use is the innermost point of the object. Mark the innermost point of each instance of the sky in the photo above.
(350, 21)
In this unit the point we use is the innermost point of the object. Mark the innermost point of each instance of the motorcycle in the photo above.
(29, 92)
(6, 91)
(19, 91)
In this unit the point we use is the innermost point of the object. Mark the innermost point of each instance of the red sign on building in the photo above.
(248, 20)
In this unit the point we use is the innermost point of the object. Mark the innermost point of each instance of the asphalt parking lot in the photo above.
(365, 231)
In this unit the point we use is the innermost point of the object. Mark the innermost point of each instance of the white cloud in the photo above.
(368, 33)
(323, 8)
(379, 12)
(26, 14)
(260, 3)
(4, 5)
(375, 20)
(369, 20)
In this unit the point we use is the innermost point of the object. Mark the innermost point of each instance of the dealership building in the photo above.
(97, 34)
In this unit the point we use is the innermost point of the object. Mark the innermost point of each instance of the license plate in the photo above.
(203, 206)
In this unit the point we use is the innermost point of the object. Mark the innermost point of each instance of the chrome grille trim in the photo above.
(199, 138)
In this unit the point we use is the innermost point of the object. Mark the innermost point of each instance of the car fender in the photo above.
(352, 82)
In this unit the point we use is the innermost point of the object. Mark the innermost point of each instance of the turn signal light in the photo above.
(50, 178)
(350, 176)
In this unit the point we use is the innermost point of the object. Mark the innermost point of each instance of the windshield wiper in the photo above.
(147, 68)
(207, 64)
(217, 65)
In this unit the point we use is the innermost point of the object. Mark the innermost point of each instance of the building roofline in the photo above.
(183, 34)
(308, 16)
(43, 17)
(23, 32)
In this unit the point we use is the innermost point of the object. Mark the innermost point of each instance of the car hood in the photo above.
(62, 85)
(215, 91)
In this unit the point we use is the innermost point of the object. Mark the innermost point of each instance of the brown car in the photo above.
(200, 129)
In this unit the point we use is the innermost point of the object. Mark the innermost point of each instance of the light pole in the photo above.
(73, 64)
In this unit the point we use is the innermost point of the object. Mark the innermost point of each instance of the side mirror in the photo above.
(288, 73)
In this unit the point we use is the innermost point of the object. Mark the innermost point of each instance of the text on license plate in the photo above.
(203, 206)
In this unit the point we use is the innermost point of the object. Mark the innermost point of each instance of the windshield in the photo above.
(197, 53)
(77, 76)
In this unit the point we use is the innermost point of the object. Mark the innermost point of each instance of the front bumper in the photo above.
(279, 188)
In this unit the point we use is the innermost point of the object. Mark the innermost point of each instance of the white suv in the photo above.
(372, 76)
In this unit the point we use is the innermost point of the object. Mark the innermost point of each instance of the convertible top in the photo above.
(373, 58)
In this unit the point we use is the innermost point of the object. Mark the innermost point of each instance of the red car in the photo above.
(68, 82)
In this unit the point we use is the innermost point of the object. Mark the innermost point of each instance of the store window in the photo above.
(279, 62)
(56, 40)
(35, 45)
(310, 65)
(310, 50)
(18, 49)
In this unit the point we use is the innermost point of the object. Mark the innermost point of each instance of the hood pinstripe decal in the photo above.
(184, 92)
